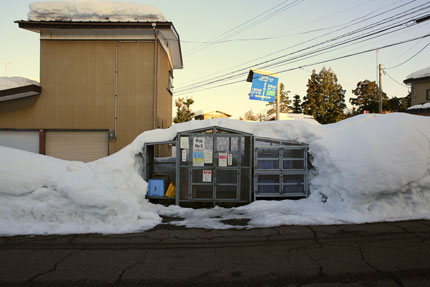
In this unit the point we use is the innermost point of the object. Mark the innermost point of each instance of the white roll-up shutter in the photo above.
(25, 140)
(77, 145)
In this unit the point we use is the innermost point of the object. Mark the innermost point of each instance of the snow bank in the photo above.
(14, 82)
(419, 74)
(419, 107)
(93, 11)
(367, 168)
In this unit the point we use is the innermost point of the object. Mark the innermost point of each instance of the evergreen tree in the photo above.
(325, 98)
(183, 110)
(296, 108)
(367, 93)
(283, 102)
(396, 104)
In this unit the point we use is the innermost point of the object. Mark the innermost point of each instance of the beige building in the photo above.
(205, 115)
(102, 84)
(420, 86)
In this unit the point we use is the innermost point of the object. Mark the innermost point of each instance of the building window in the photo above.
(428, 94)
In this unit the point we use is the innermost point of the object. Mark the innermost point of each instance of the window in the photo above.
(428, 95)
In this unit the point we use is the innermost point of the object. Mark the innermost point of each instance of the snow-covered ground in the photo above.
(84, 10)
(367, 168)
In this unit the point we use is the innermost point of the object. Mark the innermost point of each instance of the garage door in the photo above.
(25, 140)
(77, 145)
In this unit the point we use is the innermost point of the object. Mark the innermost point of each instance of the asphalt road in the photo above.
(380, 254)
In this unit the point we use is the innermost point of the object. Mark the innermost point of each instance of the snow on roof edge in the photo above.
(93, 11)
(423, 73)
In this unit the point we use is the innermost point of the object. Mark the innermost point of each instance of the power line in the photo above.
(239, 72)
(385, 73)
(246, 24)
(316, 63)
(409, 58)
(386, 20)
(344, 26)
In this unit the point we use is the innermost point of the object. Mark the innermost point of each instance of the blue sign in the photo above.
(263, 88)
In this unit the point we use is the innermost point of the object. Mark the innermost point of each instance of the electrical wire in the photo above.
(316, 63)
(240, 26)
(409, 58)
(239, 73)
(386, 20)
(385, 73)
(344, 26)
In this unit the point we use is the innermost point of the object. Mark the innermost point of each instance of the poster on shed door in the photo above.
(222, 159)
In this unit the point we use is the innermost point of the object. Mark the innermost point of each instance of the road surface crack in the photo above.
(398, 282)
(118, 281)
(315, 236)
(31, 280)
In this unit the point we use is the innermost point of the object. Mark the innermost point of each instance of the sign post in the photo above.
(264, 87)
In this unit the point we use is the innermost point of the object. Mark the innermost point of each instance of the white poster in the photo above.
(230, 159)
(184, 155)
(198, 143)
(208, 155)
(207, 175)
(222, 159)
(184, 142)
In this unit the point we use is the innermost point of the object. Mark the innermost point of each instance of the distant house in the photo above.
(420, 91)
(204, 115)
(102, 83)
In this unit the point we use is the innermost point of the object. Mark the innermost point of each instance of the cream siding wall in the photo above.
(419, 93)
(78, 90)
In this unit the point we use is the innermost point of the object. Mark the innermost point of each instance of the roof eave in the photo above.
(20, 92)
(413, 80)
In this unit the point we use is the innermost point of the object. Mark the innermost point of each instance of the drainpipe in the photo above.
(116, 91)
(154, 96)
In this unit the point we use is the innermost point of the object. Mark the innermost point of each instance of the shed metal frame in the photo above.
(215, 133)
(279, 171)
(246, 148)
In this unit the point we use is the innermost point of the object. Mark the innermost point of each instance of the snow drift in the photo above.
(93, 11)
(367, 168)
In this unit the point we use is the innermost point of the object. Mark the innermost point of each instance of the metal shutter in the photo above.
(25, 140)
(77, 145)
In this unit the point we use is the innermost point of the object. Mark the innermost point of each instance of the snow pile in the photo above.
(40, 194)
(367, 168)
(419, 74)
(419, 107)
(15, 82)
(93, 11)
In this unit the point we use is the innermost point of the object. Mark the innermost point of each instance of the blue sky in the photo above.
(201, 21)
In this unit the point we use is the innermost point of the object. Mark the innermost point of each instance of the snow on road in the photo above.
(367, 168)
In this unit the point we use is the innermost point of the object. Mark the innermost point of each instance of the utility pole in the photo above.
(376, 80)
(380, 88)
(5, 67)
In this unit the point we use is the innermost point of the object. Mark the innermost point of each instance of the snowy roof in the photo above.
(15, 82)
(93, 11)
(84, 20)
(17, 87)
(423, 73)
(204, 112)
(420, 107)
(289, 117)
